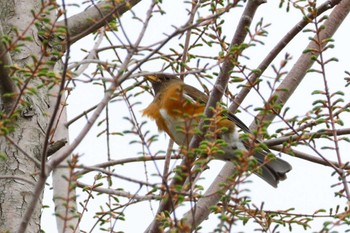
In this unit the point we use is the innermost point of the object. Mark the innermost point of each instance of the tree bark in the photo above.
(30, 124)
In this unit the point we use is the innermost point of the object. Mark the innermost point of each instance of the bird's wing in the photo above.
(199, 96)
(238, 122)
(195, 94)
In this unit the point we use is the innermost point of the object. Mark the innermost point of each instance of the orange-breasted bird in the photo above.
(177, 109)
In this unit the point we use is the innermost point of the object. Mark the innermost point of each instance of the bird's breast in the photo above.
(180, 129)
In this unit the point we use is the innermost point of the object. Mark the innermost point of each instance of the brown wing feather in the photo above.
(197, 95)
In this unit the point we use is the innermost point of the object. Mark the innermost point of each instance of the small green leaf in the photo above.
(3, 156)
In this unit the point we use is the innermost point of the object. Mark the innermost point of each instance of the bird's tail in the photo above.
(272, 171)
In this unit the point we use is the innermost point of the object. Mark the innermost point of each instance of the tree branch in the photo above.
(95, 17)
(297, 138)
(310, 158)
(124, 161)
(120, 193)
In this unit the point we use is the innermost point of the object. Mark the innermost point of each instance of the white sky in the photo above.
(307, 188)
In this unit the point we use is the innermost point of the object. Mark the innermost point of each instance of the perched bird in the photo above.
(177, 109)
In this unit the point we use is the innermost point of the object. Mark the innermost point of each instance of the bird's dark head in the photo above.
(161, 80)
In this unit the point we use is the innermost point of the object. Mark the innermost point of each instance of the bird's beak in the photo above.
(151, 78)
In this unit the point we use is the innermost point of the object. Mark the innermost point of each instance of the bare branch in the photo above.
(140, 182)
(297, 138)
(310, 158)
(128, 160)
(118, 192)
(92, 55)
(95, 17)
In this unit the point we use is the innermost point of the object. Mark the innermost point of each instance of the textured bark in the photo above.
(29, 134)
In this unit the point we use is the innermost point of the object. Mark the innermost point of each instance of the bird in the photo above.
(177, 109)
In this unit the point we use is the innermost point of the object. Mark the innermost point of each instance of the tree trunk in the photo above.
(18, 171)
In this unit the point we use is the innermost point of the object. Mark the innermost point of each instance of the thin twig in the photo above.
(329, 107)
(310, 158)
(109, 173)
(305, 136)
(117, 192)
(314, 123)
(125, 161)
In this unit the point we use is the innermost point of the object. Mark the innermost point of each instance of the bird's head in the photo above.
(161, 80)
